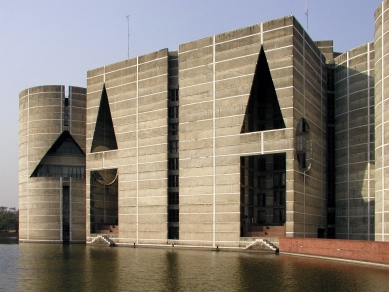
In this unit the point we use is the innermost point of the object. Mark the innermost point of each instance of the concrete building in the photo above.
(257, 132)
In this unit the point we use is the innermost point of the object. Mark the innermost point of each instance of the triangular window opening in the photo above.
(65, 158)
(104, 136)
(263, 111)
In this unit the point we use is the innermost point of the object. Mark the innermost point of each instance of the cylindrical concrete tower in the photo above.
(381, 122)
(52, 164)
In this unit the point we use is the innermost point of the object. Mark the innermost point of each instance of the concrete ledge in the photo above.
(192, 247)
(337, 259)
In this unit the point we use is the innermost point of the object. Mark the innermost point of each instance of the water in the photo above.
(53, 267)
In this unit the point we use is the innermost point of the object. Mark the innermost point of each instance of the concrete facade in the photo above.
(381, 78)
(354, 150)
(137, 91)
(215, 78)
(52, 164)
(256, 132)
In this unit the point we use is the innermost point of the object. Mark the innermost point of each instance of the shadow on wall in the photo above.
(354, 155)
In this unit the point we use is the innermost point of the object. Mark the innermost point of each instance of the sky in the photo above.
(56, 42)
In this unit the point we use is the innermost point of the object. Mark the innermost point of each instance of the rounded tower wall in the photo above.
(47, 198)
(381, 76)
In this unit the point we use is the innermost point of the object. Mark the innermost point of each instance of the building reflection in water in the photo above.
(53, 267)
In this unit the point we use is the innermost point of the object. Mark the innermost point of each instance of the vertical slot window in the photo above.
(173, 146)
(173, 94)
(173, 164)
(66, 112)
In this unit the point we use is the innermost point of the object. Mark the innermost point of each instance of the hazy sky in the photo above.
(58, 41)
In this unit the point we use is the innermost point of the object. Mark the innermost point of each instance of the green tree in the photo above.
(9, 219)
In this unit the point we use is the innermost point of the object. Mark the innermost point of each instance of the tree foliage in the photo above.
(9, 218)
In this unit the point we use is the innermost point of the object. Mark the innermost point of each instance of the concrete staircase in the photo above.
(102, 241)
(263, 245)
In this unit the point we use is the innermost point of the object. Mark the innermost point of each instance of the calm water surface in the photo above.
(52, 267)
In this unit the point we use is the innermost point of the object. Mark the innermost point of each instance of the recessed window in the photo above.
(279, 180)
(173, 181)
(262, 199)
(262, 216)
(66, 112)
(173, 112)
(173, 198)
(173, 129)
(173, 233)
(278, 215)
(173, 164)
(173, 94)
(262, 164)
(279, 198)
(262, 182)
(251, 178)
(173, 146)
(251, 197)
(173, 215)
(303, 145)
(279, 161)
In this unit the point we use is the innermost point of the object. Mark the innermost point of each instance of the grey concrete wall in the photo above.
(354, 136)
(308, 213)
(137, 95)
(381, 60)
(216, 75)
(40, 198)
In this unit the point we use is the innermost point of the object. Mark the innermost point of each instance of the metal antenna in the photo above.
(128, 36)
(306, 11)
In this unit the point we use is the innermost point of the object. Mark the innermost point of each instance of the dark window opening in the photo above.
(278, 215)
(104, 200)
(262, 191)
(173, 233)
(173, 94)
(64, 147)
(173, 198)
(251, 197)
(173, 129)
(331, 152)
(47, 170)
(279, 180)
(251, 162)
(263, 111)
(278, 198)
(262, 164)
(251, 178)
(173, 164)
(303, 144)
(66, 112)
(262, 200)
(262, 182)
(173, 215)
(261, 216)
(104, 137)
(173, 112)
(279, 161)
(173, 181)
(65, 214)
(173, 146)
